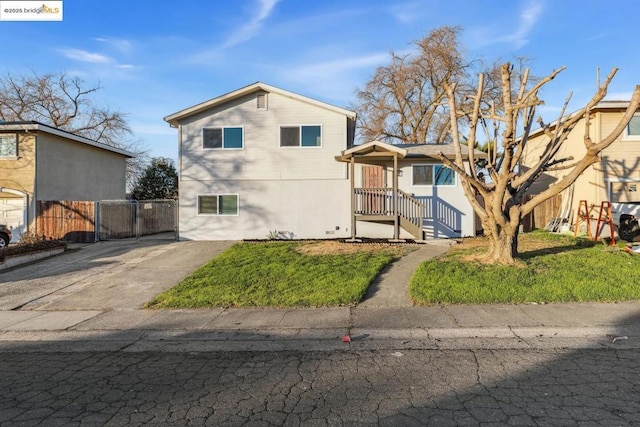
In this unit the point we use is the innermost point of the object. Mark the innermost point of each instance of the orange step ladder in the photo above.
(605, 208)
(582, 215)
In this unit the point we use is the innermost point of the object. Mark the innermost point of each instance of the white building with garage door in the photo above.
(39, 162)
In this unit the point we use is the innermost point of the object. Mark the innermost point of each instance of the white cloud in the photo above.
(84, 56)
(251, 28)
(122, 45)
(407, 13)
(334, 80)
(527, 20)
(338, 66)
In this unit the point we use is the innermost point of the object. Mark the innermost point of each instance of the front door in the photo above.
(373, 178)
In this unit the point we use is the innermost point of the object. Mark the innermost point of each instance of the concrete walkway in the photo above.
(390, 289)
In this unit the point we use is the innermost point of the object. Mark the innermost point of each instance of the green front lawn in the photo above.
(555, 269)
(282, 274)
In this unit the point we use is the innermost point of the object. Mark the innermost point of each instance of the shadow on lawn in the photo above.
(580, 245)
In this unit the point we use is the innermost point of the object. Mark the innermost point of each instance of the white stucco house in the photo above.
(261, 160)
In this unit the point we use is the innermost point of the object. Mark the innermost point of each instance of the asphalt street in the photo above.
(78, 348)
(390, 387)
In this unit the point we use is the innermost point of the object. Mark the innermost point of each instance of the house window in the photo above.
(261, 101)
(633, 128)
(9, 145)
(433, 175)
(301, 136)
(218, 204)
(222, 138)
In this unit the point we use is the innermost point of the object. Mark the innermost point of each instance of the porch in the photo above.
(430, 210)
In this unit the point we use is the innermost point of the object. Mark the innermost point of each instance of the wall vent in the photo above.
(261, 101)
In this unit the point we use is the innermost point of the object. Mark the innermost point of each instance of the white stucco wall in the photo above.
(299, 190)
(315, 209)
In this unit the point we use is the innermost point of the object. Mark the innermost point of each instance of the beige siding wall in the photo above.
(69, 170)
(18, 210)
(262, 158)
(18, 174)
(620, 161)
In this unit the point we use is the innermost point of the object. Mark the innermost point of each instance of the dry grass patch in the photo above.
(333, 247)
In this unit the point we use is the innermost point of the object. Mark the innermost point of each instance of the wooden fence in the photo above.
(71, 221)
(77, 221)
(542, 214)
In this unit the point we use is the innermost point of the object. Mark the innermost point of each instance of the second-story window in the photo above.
(9, 145)
(222, 138)
(633, 128)
(301, 136)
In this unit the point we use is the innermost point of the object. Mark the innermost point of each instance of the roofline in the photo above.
(600, 106)
(40, 127)
(174, 119)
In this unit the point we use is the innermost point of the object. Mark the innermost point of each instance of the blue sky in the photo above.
(155, 58)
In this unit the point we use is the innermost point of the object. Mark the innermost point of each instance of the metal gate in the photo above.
(119, 219)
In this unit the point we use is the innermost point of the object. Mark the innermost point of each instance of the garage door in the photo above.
(12, 213)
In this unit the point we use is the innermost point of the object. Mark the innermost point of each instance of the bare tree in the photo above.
(406, 102)
(504, 195)
(67, 103)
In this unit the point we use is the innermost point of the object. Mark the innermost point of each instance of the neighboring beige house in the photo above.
(39, 162)
(615, 178)
(261, 161)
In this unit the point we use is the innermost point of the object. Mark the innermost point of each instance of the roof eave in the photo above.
(40, 127)
(175, 118)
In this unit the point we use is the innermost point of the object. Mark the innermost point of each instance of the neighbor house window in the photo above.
(218, 204)
(433, 175)
(220, 138)
(633, 128)
(9, 145)
(301, 136)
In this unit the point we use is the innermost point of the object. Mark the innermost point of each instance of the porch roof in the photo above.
(371, 150)
(380, 150)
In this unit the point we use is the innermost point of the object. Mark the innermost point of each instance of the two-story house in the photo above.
(615, 178)
(262, 161)
(40, 162)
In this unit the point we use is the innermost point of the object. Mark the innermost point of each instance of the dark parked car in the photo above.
(5, 236)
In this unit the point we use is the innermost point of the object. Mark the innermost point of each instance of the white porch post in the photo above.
(396, 219)
(353, 197)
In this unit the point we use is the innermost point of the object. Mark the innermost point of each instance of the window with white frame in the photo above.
(222, 138)
(218, 204)
(301, 136)
(433, 175)
(9, 145)
(632, 130)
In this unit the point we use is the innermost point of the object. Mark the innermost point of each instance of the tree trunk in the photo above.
(503, 243)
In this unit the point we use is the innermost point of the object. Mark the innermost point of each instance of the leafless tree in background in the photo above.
(67, 103)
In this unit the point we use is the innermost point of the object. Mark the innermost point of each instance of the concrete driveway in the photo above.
(113, 275)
